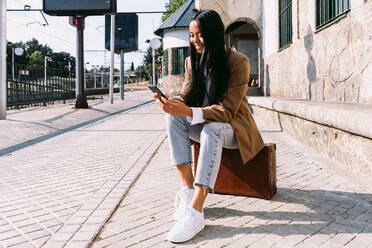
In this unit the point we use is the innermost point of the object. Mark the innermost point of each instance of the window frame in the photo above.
(178, 60)
(285, 8)
(166, 62)
(327, 11)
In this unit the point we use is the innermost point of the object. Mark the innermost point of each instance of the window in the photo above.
(178, 60)
(165, 63)
(329, 10)
(285, 23)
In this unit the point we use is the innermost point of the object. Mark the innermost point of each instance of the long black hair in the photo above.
(213, 56)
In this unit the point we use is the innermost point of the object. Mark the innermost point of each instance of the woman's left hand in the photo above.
(176, 108)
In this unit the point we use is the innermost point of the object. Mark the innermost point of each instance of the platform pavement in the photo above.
(318, 204)
(63, 171)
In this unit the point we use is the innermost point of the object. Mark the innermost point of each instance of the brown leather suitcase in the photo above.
(257, 178)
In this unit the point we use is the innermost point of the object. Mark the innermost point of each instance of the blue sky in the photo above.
(60, 36)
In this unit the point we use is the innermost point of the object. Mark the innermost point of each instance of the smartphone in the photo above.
(157, 90)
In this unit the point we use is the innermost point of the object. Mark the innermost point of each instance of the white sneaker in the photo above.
(191, 223)
(181, 201)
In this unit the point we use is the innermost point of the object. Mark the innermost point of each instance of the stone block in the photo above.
(366, 86)
(352, 85)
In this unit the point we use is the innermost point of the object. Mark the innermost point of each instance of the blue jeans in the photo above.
(212, 138)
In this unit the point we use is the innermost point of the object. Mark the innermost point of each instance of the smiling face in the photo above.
(196, 37)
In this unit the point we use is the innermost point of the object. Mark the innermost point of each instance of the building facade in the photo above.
(319, 50)
(313, 61)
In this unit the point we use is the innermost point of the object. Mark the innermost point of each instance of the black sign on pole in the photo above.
(79, 7)
(126, 32)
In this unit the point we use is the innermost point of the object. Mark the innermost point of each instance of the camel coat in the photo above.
(234, 107)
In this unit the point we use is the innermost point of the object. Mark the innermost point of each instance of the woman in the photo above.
(212, 109)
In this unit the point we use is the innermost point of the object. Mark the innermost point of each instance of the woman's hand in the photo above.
(173, 107)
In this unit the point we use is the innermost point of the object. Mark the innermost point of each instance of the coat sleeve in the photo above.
(237, 86)
(186, 82)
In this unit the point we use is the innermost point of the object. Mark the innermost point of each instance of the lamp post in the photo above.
(155, 43)
(19, 52)
(46, 58)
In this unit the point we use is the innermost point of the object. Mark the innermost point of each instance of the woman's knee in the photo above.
(212, 129)
(172, 120)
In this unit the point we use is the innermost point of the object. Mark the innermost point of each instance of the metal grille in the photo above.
(329, 10)
(32, 85)
(285, 23)
(178, 60)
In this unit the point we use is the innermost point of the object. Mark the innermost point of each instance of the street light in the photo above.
(155, 43)
(19, 52)
(46, 58)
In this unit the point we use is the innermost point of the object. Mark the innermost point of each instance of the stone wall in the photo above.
(173, 84)
(330, 64)
(353, 152)
(234, 10)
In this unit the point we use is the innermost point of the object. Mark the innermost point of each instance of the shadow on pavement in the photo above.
(321, 211)
(34, 141)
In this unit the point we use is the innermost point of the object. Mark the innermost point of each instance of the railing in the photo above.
(35, 85)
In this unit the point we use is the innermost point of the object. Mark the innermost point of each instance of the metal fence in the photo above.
(34, 85)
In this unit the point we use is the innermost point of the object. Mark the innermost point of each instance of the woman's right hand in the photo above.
(158, 102)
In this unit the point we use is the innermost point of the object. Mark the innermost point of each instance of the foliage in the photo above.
(34, 54)
(132, 67)
(36, 59)
(171, 6)
(147, 61)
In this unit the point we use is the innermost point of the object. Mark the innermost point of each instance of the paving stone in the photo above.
(315, 204)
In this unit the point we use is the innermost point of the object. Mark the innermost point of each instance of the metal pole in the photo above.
(153, 67)
(12, 63)
(112, 48)
(45, 69)
(140, 73)
(122, 74)
(81, 100)
(95, 80)
(102, 78)
(3, 44)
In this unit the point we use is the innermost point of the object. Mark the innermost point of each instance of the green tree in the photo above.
(132, 67)
(34, 45)
(62, 60)
(36, 58)
(147, 61)
(34, 54)
(171, 7)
